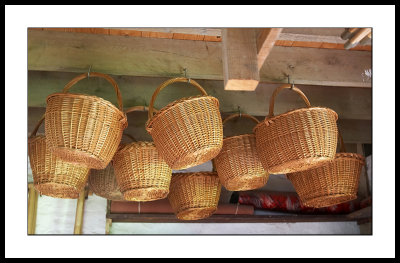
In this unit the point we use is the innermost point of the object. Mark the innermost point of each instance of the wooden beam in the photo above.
(134, 56)
(79, 213)
(108, 225)
(32, 208)
(349, 103)
(239, 59)
(265, 42)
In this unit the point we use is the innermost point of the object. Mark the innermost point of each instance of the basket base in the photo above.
(325, 201)
(146, 194)
(57, 190)
(297, 165)
(196, 213)
(79, 157)
(246, 182)
(196, 158)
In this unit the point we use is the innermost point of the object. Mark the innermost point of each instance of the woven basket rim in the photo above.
(239, 136)
(354, 156)
(140, 144)
(93, 97)
(316, 201)
(202, 173)
(291, 112)
(174, 104)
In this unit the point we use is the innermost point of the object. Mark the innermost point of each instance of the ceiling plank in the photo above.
(134, 56)
(239, 59)
(265, 42)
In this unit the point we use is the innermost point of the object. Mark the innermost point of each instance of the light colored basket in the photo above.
(238, 166)
(186, 132)
(194, 196)
(141, 173)
(331, 183)
(84, 129)
(51, 175)
(296, 140)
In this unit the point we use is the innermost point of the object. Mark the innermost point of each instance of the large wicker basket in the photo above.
(141, 173)
(84, 129)
(51, 175)
(186, 132)
(296, 140)
(331, 183)
(238, 166)
(194, 196)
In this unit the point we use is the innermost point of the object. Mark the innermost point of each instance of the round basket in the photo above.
(238, 166)
(84, 129)
(296, 140)
(331, 183)
(194, 196)
(141, 173)
(187, 132)
(51, 175)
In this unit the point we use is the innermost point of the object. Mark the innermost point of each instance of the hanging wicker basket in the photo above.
(238, 166)
(141, 173)
(194, 196)
(296, 140)
(331, 183)
(186, 132)
(84, 129)
(51, 175)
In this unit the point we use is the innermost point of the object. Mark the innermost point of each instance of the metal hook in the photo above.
(88, 74)
(240, 112)
(185, 73)
(291, 84)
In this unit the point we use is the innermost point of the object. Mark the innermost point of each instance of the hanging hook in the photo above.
(88, 74)
(291, 84)
(240, 112)
(185, 73)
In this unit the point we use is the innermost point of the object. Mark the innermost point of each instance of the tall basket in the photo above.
(296, 140)
(331, 183)
(84, 129)
(141, 173)
(103, 182)
(194, 196)
(51, 175)
(238, 165)
(186, 132)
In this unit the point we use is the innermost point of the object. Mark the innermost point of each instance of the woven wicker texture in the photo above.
(237, 163)
(51, 175)
(187, 132)
(84, 129)
(194, 196)
(141, 173)
(103, 183)
(296, 140)
(331, 183)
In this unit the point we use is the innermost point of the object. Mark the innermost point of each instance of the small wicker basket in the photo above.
(51, 175)
(186, 132)
(296, 140)
(141, 173)
(84, 129)
(331, 183)
(238, 166)
(194, 196)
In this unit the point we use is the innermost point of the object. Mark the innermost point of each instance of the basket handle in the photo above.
(96, 74)
(168, 82)
(341, 142)
(237, 115)
(277, 90)
(37, 127)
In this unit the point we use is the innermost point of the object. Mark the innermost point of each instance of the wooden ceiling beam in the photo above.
(265, 42)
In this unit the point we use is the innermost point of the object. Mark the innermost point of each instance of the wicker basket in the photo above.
(194, 196)
(51, 175)
(296, 140)
(141, 173)
(84, 129)
(238, 166)
(186, 132)
(332, 183)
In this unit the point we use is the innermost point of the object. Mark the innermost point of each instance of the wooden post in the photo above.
(79, 213)
(239, 59)
(32, 209)
(108, 225)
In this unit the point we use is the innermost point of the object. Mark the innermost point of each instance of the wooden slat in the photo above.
(349, 103)
(265, 42)
(119, 55)
(239, 59)
(32, 209)
(79, 213)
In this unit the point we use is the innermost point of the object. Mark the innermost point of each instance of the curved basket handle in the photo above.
(37, 127)
(277, 90)
(96, 74)
(168, 82)
(341, 142)
(237, 115)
